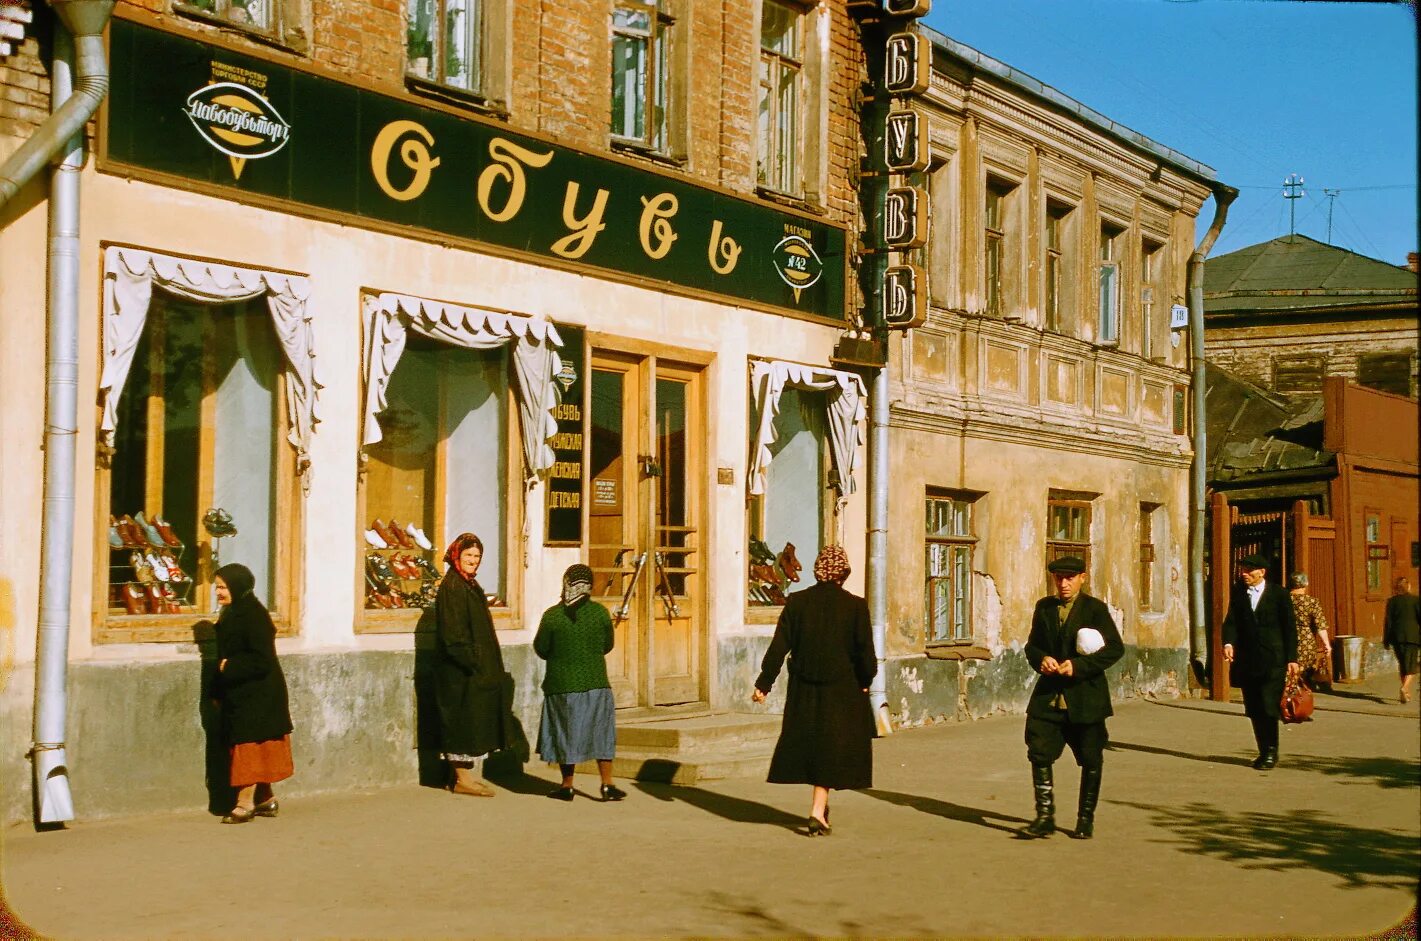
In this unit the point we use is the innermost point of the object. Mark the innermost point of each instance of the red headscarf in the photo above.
(456, 549)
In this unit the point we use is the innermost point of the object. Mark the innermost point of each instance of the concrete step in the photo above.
(697, 733)
(743, 762)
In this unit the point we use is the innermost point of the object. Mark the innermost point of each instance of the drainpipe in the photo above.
(1198, 604)
(74, 97)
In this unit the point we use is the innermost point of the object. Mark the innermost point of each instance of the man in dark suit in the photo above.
(1403, 631)
(1261, 642)
(1073, 640)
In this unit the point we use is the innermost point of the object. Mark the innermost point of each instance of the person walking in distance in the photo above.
(1073, 641)
(1403, 632)
(1261, 644)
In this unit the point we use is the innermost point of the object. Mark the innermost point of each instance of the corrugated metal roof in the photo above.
(1297, 272)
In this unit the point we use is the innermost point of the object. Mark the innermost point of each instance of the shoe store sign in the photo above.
(255, 130)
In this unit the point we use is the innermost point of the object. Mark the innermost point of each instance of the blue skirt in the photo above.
(578, 727)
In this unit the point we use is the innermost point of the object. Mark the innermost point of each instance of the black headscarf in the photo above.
(239, 579)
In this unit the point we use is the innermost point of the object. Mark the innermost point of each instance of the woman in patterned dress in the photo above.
(1314, 647)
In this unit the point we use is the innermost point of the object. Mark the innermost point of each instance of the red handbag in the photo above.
(1297, 702)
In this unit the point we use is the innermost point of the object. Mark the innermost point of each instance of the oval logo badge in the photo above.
(797, 263)
(237, 121)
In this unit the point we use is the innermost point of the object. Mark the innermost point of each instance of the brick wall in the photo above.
(24, 81)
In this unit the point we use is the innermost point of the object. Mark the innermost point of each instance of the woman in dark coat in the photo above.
(251, 694)
(826, 739)
(468, 668)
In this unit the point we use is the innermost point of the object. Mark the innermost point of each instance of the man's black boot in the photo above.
(1090, 794)
(1045, 822)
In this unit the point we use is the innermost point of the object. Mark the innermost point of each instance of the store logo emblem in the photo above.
(237, 121)
(797, 263)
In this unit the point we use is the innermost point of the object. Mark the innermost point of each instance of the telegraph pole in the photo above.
(1292, 192)
(1331, 201)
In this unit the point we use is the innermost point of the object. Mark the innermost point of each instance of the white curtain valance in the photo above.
(845, 407)
(129, 277)
(389, 318)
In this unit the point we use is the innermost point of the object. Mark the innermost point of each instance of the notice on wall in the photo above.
(565, 492)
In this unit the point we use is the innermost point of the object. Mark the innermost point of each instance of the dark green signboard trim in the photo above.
(254, 129)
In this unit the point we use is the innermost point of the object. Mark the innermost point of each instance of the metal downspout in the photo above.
(877, 579)
(1198, 604)
(75, 93)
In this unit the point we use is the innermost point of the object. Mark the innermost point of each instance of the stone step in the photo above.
(746, 761)
(697, 734)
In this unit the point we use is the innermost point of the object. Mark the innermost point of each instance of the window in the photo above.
(1300, 373)
(641, 72)
(1378, 554)
(1057, 277)
(441, 468)
(1068, 527)
(950, 541)
(1108, 331)
(994, 234)
(1151, 258)
(1386, 372)
(198, 424)
(444, 42)
(259, 15)
(1147, 554)
(781, 93)
(792, 509)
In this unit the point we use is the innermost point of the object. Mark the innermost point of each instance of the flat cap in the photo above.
(1066, 565)
(1254, 561)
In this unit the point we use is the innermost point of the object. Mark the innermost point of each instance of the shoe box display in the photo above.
(146, 574)
(399, 572)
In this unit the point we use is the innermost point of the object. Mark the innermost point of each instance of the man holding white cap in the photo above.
(1073, 641)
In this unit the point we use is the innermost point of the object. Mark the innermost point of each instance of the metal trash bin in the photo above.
(1349, 663)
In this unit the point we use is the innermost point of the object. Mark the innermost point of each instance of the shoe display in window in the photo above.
(420, 539)
(384, 533)
(142, 570)
(402, 538)
(153, 598)
(374, 541)
(132, 535)
(170, 602)
(115, 540)
(166, 531)
(380, 569)
(133, 599)
(175, 572)
(160, 568)
(149, 531)
(218, 522)
(426, 570)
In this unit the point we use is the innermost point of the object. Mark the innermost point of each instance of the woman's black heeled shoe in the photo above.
(819, 827)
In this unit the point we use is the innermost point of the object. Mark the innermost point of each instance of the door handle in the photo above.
(621, 613)
(668, 597)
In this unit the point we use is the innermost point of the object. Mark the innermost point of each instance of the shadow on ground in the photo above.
(1192, 756)
(758, 922)
(722, 805)
(1305, 839)
(1336, 693)
(1383, 771)
(931, 805)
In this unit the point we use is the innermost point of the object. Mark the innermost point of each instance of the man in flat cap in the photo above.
(1073, 641)
(1261, 644)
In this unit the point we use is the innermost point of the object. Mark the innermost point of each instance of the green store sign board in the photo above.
(235, 123)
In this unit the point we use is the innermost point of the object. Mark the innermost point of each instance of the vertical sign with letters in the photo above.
(564, 491)
(905, 297)
(905, 142)
(905, 218)
(908, 64)
(908, 7)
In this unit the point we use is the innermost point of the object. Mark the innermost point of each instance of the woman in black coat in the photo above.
(826, 739)
(251, 694)
(468, 668)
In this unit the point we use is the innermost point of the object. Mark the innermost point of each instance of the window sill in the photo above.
(295, 45)
(408, 620)
(957, 652)
(430, 89)
(763, 614)
(787, 199)
(193, 627)
(641, 151)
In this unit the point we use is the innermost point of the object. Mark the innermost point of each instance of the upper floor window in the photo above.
(1056, 267)
(444, 42)
(950, 541)
(1378, 553)
(1298, 373)
(260, 15)
(1108, 327)
(781, 94)
(1151, 269)
(1387, 372)
(994, 234)
(641, 70)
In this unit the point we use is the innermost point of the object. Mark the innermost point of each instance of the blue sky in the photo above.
(1256, 89)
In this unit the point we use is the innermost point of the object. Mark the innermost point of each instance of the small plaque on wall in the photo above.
(564, 484)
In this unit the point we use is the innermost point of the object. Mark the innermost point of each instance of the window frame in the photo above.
(1152, 265)
(771, 174)
(506, 616)
(1056, 279)
(994, 248)
(957, 542)
(438, 58)
(1107, 323)
(1395, 361)
(660, 86)
(1057, 548)
(1146, 600)
(288, 505)
(1376, 554)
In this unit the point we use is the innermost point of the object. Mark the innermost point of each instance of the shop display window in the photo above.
(198, 476)
(440, 468)
(787, 522)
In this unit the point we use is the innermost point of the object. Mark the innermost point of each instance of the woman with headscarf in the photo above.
(1314, 647)
(468, 668)
(826, 738)
(251, 693)
(579, 714)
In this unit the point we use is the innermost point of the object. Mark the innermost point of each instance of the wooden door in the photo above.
(676, 641)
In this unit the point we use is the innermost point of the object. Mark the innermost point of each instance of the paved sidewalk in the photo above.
(1190, 841)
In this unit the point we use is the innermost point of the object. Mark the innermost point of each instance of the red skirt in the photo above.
(262, 762)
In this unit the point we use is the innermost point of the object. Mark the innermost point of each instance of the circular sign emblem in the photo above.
(797, 263)
(237, 121)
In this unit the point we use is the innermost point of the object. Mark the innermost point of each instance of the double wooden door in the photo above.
(643, 538)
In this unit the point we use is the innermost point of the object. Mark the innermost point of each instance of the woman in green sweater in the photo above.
(579, 715)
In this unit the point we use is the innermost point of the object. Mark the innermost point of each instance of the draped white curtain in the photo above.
(130, 275)
(845, 406)
(390, 317)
